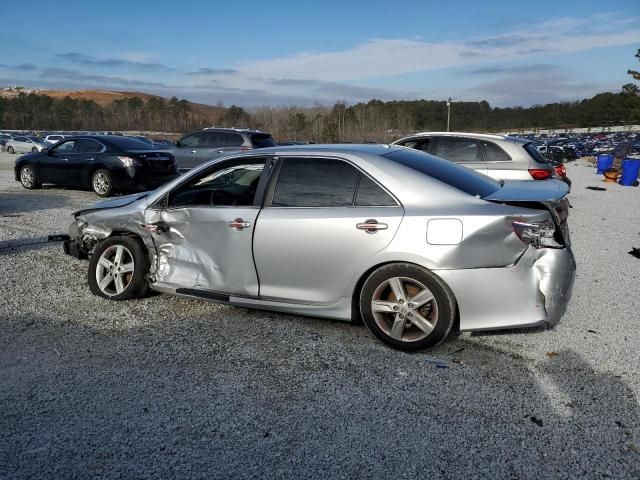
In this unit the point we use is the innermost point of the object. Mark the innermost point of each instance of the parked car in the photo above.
(407, 241)
(498, 156)
(199, 147)
(53, 139)
(23, 144)
(104, 164)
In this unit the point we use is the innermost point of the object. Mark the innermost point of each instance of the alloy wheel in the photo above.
(101, 183)
(404, 309)
(114, 270)
(27, 177)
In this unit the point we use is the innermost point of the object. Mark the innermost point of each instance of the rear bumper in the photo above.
(140, 180)
(534, 291)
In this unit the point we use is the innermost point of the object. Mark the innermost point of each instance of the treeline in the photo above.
(373, 121)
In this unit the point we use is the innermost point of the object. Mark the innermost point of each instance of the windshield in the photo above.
(535, 153)
(462, 178)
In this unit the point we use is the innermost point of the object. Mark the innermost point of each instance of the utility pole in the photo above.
(448, 112)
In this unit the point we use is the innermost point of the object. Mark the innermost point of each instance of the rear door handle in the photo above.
(220, 151)
(238, 224)
(89, 159)
(371, 226)
(194, 151)
(157, 227)
(64, 159)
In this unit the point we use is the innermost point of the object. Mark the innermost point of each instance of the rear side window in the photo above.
(493, 153)
(88, 146)
(232, 140)
(127, 143)
(459, 177)
(457, 149)
(213, 139)
(315, 182)
(262, 140)
(370, 194)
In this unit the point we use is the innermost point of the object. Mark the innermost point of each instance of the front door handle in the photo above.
(371, 226)
(158, 227)
(238, 224)
(220, 151)
(194, 151)
(90, 159)
(64, 159)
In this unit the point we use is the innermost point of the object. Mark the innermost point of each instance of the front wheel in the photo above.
(101, 183)
(407, 306)
(117, 269)
(28, 178)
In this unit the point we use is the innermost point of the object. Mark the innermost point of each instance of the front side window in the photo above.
(459, 150)
(66, 147)
(228, 186)
(191, 140)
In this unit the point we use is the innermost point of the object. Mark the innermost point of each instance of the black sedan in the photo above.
(106, 164)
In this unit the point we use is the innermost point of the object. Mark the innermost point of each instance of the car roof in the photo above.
(326, 149)
(481, 136)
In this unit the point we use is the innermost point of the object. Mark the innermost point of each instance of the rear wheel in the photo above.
(117, 269)
(407, 307)
(10, 149)
(34, 149)
(28, 178)
(101, 183)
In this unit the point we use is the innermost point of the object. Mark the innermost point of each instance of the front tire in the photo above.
(10, 149)
(102, 183)
(28, 178)
(118, 268)
(407, 307)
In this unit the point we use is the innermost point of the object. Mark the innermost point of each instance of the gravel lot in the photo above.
(171, 387)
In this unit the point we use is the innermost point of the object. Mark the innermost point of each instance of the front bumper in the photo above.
(534, 291)
(72, 247)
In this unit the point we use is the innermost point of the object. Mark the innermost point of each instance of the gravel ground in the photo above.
(172, 387)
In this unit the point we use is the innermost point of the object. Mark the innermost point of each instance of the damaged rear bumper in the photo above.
(534, 291)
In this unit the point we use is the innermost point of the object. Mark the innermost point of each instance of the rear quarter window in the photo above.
(462, 178)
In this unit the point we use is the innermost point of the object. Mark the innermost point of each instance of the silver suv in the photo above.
(498, 156)
(199, 147)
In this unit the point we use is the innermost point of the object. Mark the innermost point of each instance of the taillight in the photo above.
(536, 234)
(540, 173)
(561, 170)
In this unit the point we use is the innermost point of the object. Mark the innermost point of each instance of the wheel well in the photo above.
(355, 299)
(92, 170)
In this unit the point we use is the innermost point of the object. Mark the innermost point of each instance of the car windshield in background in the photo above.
(128, 143)
(535, 154)
(262, 140)
(457, 176)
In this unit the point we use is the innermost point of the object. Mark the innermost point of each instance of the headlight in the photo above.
(129, 162)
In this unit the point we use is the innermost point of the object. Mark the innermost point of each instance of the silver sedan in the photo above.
(412, 244)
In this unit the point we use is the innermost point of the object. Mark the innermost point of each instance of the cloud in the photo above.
(513, 69)
(212, 71)
(86, 60)
(78, 77)
(27, 67)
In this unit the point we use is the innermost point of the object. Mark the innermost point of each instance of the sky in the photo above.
(509, 53)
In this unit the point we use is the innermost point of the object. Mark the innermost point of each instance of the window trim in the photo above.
(273, 181)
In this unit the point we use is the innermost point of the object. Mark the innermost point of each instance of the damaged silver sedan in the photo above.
(412, 244)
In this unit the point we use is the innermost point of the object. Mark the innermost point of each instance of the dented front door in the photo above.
(203, 235)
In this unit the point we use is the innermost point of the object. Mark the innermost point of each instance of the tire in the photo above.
(101, 183)
(34, 149)
(106, 260)
(10, 149)
(29, 178)
(397, 321)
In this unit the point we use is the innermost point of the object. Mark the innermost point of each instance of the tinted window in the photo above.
(315, 182)
(232, 139)
(370, 194)
(262, 140)
(191, 140)
(213, 139)
(464, 179)
(20, 139)
(88, 146)
(227, 186)
(493, 153)
(535, 154)
(419, 144)
(457, 149)
(127, 143)
(66, 147)
(55, 138)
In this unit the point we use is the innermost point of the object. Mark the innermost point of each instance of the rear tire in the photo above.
(34, 149)
(10, 149)
(118, 269)
(29, 178)
(407, 307)
(101, 183)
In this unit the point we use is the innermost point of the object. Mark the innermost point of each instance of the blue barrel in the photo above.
(605, 162)
(630, 171)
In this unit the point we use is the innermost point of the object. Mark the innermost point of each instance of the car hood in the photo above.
(112, 203)
(530, 191)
